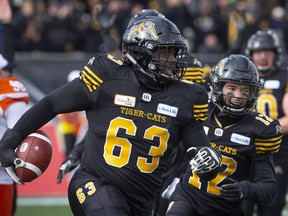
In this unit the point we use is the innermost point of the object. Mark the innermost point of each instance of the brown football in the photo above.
(36, 151)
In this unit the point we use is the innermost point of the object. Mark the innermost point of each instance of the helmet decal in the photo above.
(221, 65)
(141, 30)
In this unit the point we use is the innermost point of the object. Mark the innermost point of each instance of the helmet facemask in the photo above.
(165, 67)
(236, 69)
(232, 105)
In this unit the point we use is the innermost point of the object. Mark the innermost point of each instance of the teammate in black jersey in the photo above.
(265, 50)
(138, 111)
(246, 140)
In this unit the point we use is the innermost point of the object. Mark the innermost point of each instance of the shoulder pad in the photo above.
(269, 140)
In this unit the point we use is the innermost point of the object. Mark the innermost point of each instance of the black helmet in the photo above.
(143, 14)
(265, 40)
(235, 69)
(144, 37)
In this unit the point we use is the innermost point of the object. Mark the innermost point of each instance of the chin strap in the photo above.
(134, 62)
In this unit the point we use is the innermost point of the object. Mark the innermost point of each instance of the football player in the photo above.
(73, 159)
(266, 51)
(193, 73)
(246, 140)
(138, 110)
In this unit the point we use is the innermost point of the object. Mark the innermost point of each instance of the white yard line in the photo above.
(42, 201)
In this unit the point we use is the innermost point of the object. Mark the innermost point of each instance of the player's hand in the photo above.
(10, 162)
(231, 190)
(205, 159)
(10, 140)
(67, 166)
(12, 173)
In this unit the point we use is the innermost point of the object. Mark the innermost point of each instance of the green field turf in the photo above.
(55, 207)
(43, 211)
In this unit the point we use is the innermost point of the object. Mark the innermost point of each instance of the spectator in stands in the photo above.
(210, 44)
(27, 35)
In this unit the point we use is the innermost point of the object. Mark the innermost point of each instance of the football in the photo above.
(36, 151)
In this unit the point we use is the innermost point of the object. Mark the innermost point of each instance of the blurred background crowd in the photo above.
(82, 25)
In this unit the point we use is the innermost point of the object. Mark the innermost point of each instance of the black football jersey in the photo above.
(133, 129)
(194, 70)
(244, 145)
(270, 99)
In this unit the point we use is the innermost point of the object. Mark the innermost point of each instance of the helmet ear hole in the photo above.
(235, 69)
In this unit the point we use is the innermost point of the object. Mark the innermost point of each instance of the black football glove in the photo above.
(205, 159)
(231, 190)
(67, 166)
(9, 142)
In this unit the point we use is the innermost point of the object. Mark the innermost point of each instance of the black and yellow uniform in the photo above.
(270, 103)
(132, 132)
(246, 155)
(270, 100)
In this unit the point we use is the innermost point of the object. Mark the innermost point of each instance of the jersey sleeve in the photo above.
(96, 71)
(193, 133)
(269, 140)
(194, 71)
(263, 187)
(200, 108)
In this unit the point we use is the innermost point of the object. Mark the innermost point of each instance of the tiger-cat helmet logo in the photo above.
(143, 29)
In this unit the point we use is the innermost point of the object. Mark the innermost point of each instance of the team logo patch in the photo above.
(146, 97)
(218, 132)
(167, 110)
(279, 129)
(272, 84)
(124, 100)
(144, 28)
(23, 147)
(91, 61)
(240, 139)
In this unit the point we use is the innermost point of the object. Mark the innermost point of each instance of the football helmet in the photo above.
(143, 14)
(145, 39)
(265, 40)
(235, 69)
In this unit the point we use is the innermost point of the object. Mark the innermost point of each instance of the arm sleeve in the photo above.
(69, 98)
(78, 149)
(264, 188)
(193, 135)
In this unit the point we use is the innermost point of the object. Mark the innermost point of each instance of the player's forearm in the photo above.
(263, 193)
(78, 149)
(68, 98)
(264, 187)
